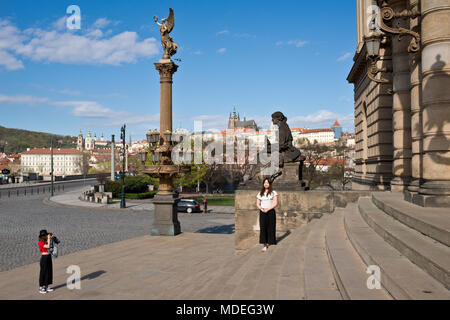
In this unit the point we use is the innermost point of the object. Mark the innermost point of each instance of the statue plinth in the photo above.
(291, 178)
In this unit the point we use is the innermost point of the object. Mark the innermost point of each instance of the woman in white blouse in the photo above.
(267, 200)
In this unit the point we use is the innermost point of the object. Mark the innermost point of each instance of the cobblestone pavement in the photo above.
(78, 228)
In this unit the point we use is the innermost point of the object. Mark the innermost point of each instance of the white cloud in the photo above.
(198, 52)
(9, 62)
(101, 23)
(222, 50)
(61, 46)
(89, 109)
(222, 32)
(322, 119)
(60, 24)
(70, 92)
(22, 99)
(345, 56)
(213, 123)
(96, 33)
(296, 43)
(83, 109)
(148, 119)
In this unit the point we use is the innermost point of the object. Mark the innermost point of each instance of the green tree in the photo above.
(193, 178)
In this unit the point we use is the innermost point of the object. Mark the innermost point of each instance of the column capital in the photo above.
(166, 69)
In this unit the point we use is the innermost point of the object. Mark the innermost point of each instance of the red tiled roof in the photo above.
(317, 130)
(55, 151)
(4, 163)
(328, 161)
(336, 124)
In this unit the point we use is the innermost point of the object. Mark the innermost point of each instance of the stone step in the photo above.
(429, 254)
(291, 282)
(319, 279)
(266, 289)
(250, 275)
(348, 268)
(433, 222)
(399, 276)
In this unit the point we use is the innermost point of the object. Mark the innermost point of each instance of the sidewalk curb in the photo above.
(49, 202)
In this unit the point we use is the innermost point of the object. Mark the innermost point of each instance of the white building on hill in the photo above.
(65, 161)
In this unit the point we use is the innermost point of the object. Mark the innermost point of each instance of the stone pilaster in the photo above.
(416, 111)
(401, 108)
(435, 189)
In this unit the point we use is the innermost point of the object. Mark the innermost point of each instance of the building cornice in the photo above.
(360, 65)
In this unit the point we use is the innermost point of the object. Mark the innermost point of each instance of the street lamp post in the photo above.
(122, 136)
(51, 165)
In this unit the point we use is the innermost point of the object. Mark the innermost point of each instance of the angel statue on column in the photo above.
(166, 27)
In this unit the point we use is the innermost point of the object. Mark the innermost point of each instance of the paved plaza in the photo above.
(81, 228)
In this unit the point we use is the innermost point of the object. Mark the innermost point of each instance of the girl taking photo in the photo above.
(267, 200)
(46, 272)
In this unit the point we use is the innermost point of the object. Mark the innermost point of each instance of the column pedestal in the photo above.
(433, 194)
(166, 215)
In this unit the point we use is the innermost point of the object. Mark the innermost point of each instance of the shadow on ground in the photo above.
(225, 229)
(286, 234)
(90, 276)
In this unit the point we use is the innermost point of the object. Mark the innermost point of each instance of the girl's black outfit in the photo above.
(46, 273)
(267, 225)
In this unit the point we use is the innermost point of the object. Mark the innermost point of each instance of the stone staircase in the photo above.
(329, 257)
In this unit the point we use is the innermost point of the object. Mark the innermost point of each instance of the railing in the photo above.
(37, 189)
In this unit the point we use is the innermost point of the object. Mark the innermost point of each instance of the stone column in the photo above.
(416, 112)
(166, 201)
(401, 108)
(435, 189)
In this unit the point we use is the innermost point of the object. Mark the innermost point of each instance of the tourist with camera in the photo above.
(46, 267)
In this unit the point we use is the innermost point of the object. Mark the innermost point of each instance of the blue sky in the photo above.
(261, 56)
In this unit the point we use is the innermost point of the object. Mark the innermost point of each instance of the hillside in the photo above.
(17, 140)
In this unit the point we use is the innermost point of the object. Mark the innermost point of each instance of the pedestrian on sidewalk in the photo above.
(205, 205)
(267, 200)
(46, 270)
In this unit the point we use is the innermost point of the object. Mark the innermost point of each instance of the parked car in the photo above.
(189, 206)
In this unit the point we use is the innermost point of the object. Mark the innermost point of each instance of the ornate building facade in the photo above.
(401, 77)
